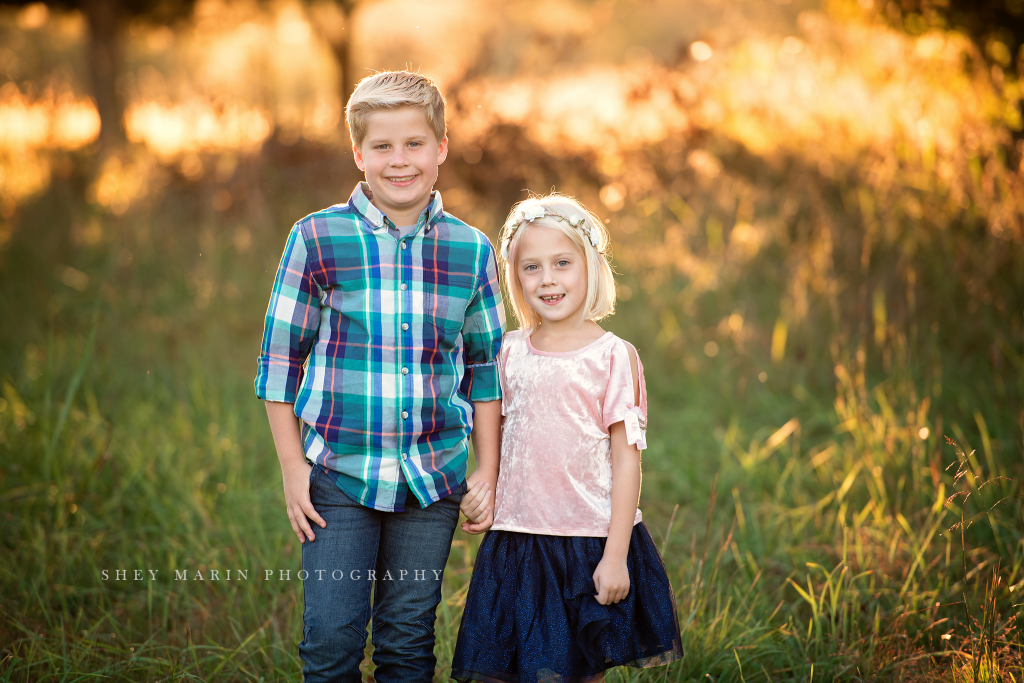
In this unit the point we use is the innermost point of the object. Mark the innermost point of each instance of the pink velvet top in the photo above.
(555, 476)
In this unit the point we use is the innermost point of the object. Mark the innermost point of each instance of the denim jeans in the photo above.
(401, 555)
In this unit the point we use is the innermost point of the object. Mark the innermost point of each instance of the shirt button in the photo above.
(405, 326)
(405, 456)
(404, 245)
(405, 414)
(405, 371)
(403, 286)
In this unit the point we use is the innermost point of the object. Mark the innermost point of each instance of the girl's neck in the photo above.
(557, 338)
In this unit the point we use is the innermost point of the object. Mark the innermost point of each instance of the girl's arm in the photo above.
(611, 579)
(478, 503)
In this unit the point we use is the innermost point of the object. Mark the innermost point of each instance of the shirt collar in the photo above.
(360, 201)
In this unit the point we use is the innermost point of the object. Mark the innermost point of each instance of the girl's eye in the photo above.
(563, 263)
(529, 267)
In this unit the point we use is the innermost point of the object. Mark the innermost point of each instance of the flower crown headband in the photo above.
(530, 214)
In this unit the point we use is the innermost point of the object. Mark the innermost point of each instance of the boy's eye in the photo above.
(382, 146)
(415, 144)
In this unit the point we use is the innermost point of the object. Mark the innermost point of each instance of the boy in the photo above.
(381, 336)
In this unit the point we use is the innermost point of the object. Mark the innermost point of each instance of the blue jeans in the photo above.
(401, 555)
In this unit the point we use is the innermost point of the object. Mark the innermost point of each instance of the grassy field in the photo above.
(816, 522)
(831, 326)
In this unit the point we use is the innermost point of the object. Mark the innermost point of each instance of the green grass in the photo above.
(823, 556)
(810, 532)
(805, 559)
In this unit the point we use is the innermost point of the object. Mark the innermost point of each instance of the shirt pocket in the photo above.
(446, 303)
(346, 289)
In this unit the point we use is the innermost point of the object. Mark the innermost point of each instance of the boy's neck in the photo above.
(399, 218)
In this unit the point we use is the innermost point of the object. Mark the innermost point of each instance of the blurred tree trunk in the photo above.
(104, 53)
(338, 35)
(343, 52)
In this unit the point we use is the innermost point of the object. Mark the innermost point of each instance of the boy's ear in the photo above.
(442, 150)
(358, 154)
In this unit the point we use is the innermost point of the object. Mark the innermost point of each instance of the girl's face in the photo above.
(553, 275)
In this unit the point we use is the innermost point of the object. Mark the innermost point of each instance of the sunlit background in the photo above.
(817, 220)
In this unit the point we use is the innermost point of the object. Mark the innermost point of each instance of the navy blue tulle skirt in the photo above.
(532, 614)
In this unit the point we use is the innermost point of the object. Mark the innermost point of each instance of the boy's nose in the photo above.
(398, 158)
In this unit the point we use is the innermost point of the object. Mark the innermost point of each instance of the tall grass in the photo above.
(831, 331)
(816, 537)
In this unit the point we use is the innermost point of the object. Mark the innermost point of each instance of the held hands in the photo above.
(611, 579)
(476, 505)
(296, 498)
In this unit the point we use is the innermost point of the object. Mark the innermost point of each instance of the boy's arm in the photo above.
(294, 469)
(478, 502)
(482, 332)
(292, 321)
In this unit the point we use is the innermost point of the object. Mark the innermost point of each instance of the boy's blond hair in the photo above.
(586, 232)
(391, 90)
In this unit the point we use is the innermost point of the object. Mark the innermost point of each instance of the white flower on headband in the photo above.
(532, 213)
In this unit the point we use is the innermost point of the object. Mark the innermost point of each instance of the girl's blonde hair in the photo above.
(586, 232)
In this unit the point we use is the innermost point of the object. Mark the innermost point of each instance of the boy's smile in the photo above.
(553, 275)
(400, 155)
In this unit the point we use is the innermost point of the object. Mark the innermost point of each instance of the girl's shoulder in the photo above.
(625, 361)
(620, 345)
(512, 339)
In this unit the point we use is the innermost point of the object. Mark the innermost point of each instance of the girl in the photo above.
(568, 582)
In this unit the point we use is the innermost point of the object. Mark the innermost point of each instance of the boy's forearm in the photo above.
(486, 437)
(625, 493)
(285, 428)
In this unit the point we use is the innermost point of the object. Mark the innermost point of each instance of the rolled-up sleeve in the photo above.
(482, 332)
(293, 318)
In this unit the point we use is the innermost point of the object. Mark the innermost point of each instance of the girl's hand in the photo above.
(611, 579)
(474, 503)
(480, 526)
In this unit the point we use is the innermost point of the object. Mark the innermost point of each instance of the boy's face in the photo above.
(400, 155)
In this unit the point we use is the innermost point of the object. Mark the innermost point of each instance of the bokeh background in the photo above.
(816, 217)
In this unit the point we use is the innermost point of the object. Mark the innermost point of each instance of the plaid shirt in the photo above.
(381, 344)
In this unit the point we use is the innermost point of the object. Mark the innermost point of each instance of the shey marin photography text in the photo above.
(224, 575)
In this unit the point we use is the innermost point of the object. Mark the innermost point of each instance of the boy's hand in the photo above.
(296, 498)
(611, 579)
(476, 504)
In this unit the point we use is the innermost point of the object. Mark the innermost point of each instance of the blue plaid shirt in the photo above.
(381, 344)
